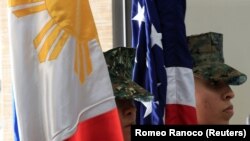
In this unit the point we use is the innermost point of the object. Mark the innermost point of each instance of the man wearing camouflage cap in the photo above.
(120, 62)
(212, 79)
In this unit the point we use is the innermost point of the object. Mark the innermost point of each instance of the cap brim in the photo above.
(220, 72)
(128, 89)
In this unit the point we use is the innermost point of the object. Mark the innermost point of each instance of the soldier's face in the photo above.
(213, 103)
(127, 113)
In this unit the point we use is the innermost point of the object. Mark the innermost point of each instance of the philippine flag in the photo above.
(61, 84)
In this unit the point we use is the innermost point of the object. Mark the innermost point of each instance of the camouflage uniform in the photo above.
(207, 53)
(120, 63)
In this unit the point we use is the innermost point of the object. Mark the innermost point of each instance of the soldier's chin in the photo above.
(127, 133)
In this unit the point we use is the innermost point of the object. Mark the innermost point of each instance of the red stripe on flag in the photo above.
(105, 127)
(180, 114)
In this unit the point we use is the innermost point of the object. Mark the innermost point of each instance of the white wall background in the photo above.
(231, 18)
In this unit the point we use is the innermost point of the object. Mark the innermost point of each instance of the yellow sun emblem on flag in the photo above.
(68, 18)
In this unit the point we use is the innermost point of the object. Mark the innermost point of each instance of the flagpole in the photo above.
(119, 22)
(124, 22)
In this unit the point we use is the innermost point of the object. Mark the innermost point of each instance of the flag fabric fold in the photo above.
(61, 83)
(149, 70)
(15, 124)
(173, 88)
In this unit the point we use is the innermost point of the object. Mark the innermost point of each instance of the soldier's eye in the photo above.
(217, 84)
(213, 83)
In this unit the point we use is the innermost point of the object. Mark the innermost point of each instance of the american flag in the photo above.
(163, 64)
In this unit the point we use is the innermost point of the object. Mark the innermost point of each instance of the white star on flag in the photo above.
(158, 84)
(155, 37)
(148, 106)
(157, 102)
(140, 15)
(135, 59)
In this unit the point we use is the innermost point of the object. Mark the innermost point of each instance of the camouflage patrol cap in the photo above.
(207, 53)
(120, 63)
